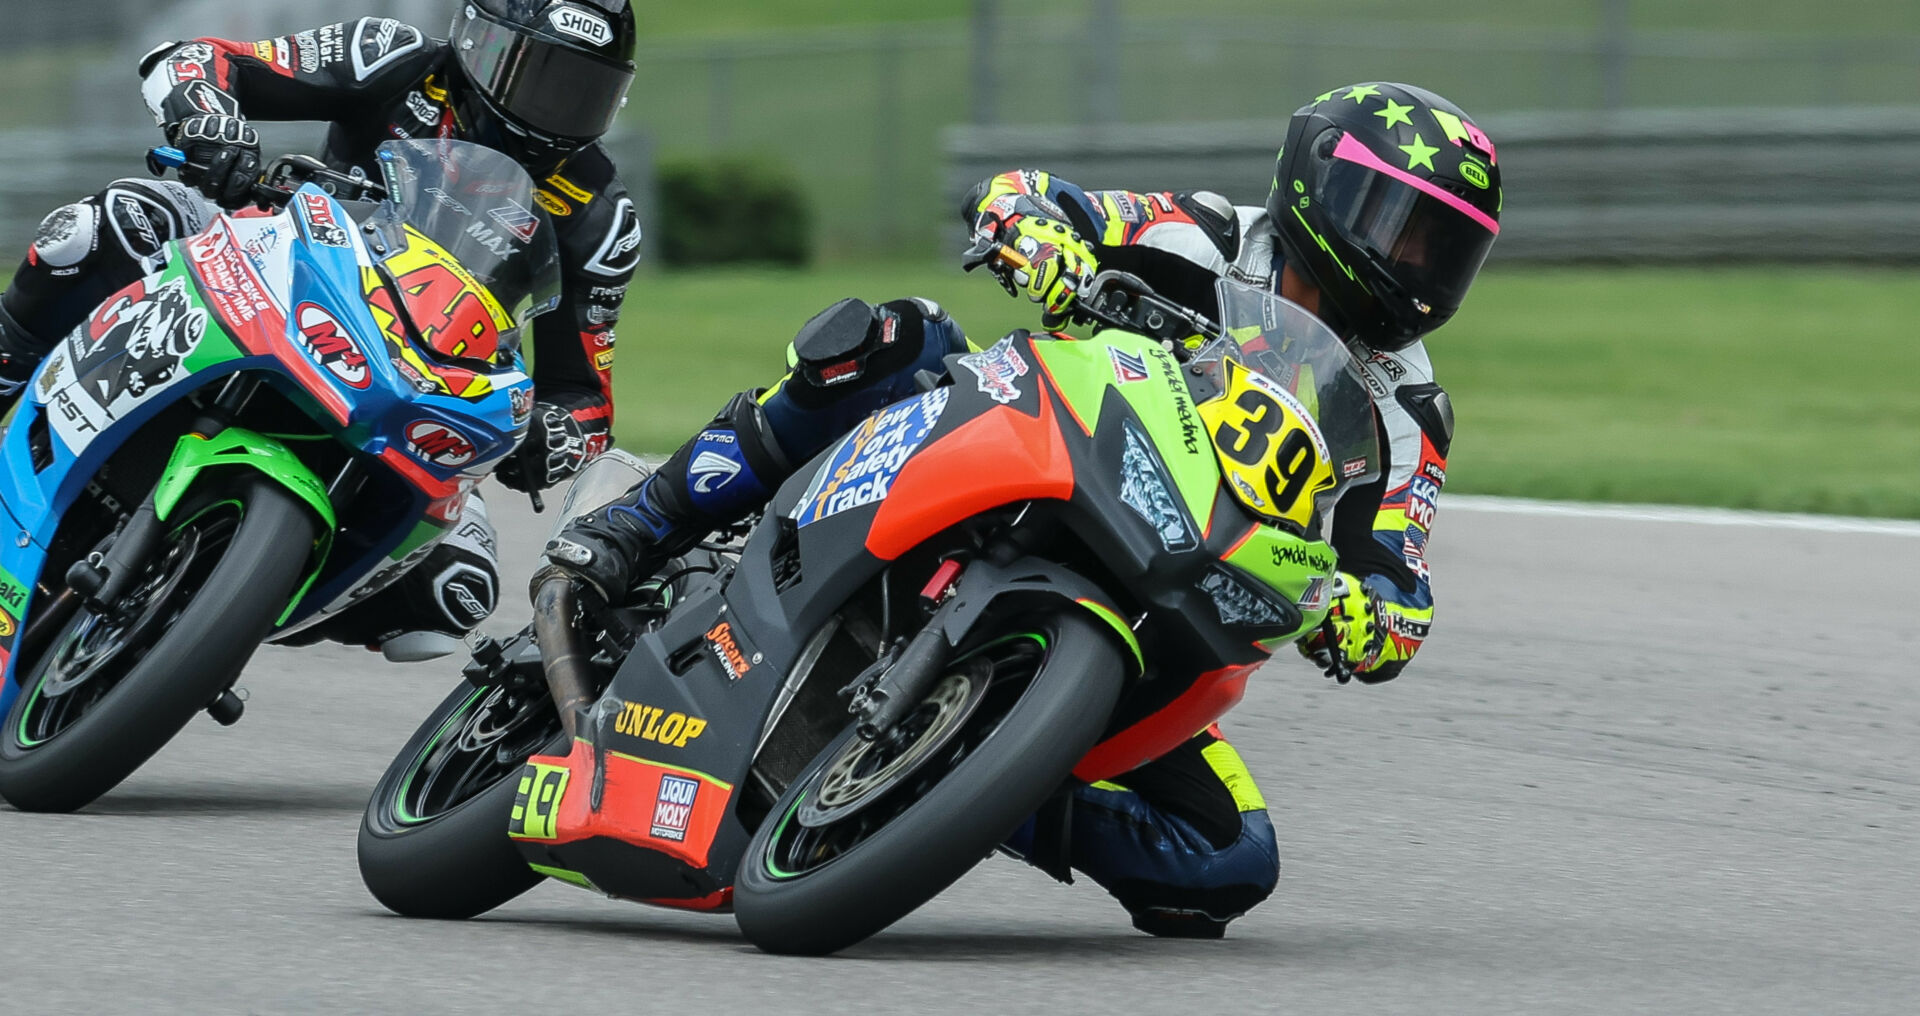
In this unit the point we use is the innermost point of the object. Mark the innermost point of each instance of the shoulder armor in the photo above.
(1432, 410)
(156, 54)
(378, 42)
(598, 223)
(1216, 215)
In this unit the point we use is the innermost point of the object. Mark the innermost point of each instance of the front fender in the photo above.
(243, 448)
(985, 584)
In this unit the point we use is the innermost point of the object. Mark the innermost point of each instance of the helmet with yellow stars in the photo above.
(1388, 199)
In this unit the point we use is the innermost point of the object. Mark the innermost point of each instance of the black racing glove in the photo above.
(567, 432)
(228, 147)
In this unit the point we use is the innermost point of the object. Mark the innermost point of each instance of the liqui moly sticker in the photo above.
(673, 808)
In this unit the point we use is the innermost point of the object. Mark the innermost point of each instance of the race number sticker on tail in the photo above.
(998, 369)
(864, 465)
(536, 808)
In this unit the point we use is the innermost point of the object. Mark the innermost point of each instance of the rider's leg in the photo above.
(83, 253)
(425, 612)
(733, 466)
(1184, 842)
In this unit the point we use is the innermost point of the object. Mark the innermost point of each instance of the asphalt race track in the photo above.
(1643, 766)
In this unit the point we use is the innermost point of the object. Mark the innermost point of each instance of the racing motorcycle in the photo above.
(274, 424)
(1053, 565)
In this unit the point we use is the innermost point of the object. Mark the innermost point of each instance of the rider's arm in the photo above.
(1380, 530)
(1180, 242)
(323, 74)
(599, 233)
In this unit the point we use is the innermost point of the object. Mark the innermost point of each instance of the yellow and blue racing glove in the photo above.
(1365, 635)
(1059, 264)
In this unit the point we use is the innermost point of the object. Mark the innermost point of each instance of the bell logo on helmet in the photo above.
(581, 25)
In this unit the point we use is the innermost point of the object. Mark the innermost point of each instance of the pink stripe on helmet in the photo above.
(1356, 152)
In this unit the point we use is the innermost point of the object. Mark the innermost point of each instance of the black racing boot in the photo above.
(728, 471)
(613, 546)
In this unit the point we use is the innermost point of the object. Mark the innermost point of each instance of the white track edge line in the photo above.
(1670, 513)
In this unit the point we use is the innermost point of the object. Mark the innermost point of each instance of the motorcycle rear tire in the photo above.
(199, 655)
(956, 824)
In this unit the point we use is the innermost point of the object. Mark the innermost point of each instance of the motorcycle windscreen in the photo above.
(478, 209)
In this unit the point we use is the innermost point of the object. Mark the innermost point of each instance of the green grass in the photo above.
(1776, 389)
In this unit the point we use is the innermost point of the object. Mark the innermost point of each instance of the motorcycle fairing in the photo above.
(999, 436)
(281, 296)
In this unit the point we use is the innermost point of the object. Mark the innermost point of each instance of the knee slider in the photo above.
(1222, 884)
(832, 349)
(68, 236)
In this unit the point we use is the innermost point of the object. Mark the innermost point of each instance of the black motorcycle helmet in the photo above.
(1388, 199)
(552, 73)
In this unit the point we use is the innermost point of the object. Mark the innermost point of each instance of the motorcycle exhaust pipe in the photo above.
(567, 666)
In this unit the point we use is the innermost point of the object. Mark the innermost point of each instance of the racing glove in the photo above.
(1060, 265)
(228, 148)
(567, 431)
(1353, 640)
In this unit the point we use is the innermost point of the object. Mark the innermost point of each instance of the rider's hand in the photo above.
(1352, 641)
(565, 434)
(229, 149)
(1060, 264)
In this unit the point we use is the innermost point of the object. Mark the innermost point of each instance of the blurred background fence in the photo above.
(855, 113)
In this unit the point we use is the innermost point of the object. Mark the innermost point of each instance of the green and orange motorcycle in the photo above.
(1058, 562)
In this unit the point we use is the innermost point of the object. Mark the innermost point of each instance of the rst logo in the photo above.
(439, 444)
(327, 343)
(673, 808)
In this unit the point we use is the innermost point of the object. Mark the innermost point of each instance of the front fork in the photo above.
(101, 580)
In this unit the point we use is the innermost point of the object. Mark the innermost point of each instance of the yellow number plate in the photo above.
(536, 809)
(1272, 452)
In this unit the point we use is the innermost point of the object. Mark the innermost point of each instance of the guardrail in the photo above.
(1681, 185)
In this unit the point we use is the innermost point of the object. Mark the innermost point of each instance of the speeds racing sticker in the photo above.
(865, 463)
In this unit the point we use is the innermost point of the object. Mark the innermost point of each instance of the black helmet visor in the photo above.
(1429, 239)
(543, 86)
